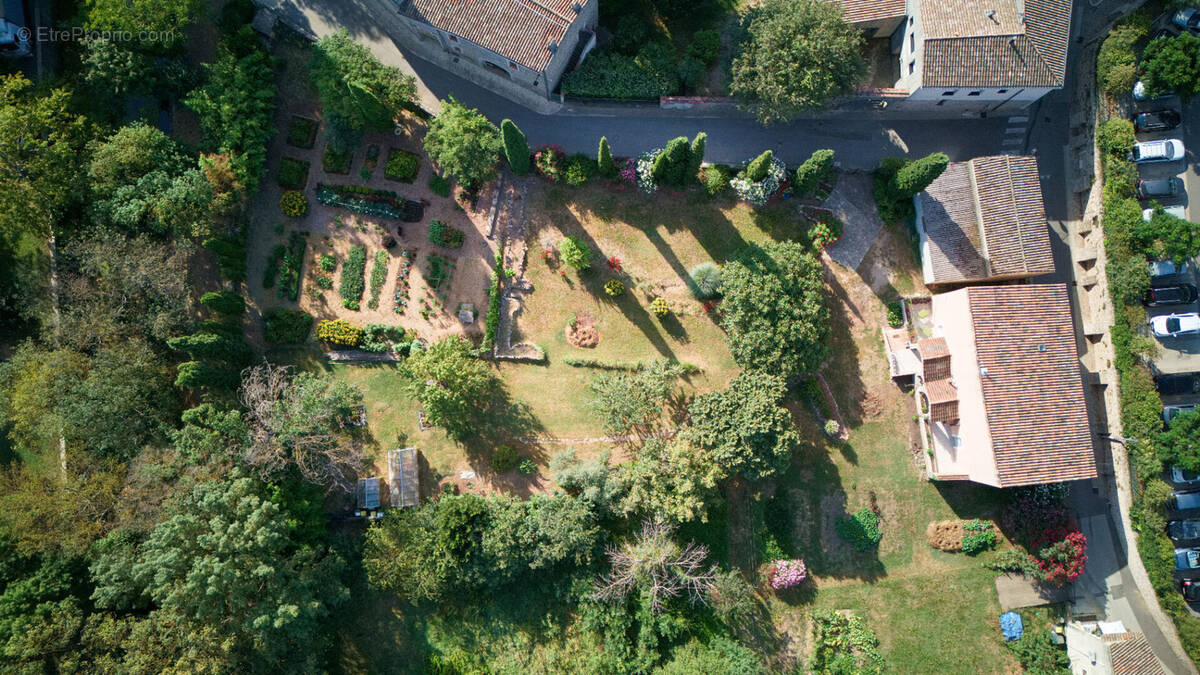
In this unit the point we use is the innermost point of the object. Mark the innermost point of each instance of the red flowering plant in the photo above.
(1061, 554)
(614, 263)
(826, 229)
(550, 162)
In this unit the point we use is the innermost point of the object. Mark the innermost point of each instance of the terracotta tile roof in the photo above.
(1130, 654)
(940, 391)
(519, 30)
(935, 369)
(964, 46)
(985, 219)
(932, 348)
(858, 11)
(1033, 390)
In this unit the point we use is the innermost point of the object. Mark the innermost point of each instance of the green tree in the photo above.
(718, 656)
(1115, 136)
(816, 169)
(41, 145)
(917, 175)
(699, 146)
(229, 303)
(137, 16)
(671, 165)
(112, 70)
(757, 169)
(213, 347)
(1116, 64)
(1172, 64)
(744, 426)
(575, 252)
(774, 313)
(604, 158)
(41, 612)
(463, 144)
(675, 479)
(516, 148)
(453, 387)
(223, 560)
(357, 92)
(130, 153)
(33, 383)
(795, 56)
(538, 535)
(1179, 445)
(592, 480)
(627, 401)
(47, 510)
(403, 554)
(1166, 236)
(210, 432)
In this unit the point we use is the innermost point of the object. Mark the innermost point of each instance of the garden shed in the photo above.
(403, 487)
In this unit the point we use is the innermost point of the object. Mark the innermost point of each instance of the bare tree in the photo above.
(302, 421)
(658, 566)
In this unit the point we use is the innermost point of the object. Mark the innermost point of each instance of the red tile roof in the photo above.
(1130, 654)
(1033, 390)
(861, 11)
(519, 30)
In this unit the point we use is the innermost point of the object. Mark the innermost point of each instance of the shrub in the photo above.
(715, 179)
(691, 73)
(978, 536)
(505, 458)
(328, 262)
(353, 270)
(704, 281)
(527, 467)
(614, 288)
(230, 253)
(1039, 653)
(705, 46)
(443, 235)
(516, 148)
(825, 230)
(380, 338)
(286, 326)
(293, 204)
(378, 277)
(1115, 137)
(549, 161)
(293, 173)
(324, 282)
(402, 166)
(229, 303)
(832, 428)
(783, 574)
(660, 308)
(579, 170)
(289, 266)
(818, 168)
(302, 132)
(843, 644)
(1172, 65)
(604, 159)
(756, 170)
(1116, 64)
(492, 322)
(1017, 560)
(895, 314)
(439, 186)
(915, 176)
(861, 529)
(648, 75)
(339, 333)
(336, 160)
(575, 253)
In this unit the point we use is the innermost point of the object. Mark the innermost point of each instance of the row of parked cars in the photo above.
(1185, 532)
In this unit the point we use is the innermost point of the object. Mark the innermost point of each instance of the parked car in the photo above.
(1178, 294)
(1174, 325)
(1156, 120)
(1187, 558)
(1184, 501)
(1184, 476)
(1178, 211)
(1158, 187)
(1191, 590)
(14, 35)
(1177, 384)
(1170, 411)
(1188, 19)
(1166, 150)
(1182, 530)
(1166, 268)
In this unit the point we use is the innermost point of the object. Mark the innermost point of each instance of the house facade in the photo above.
(983, 221)
(529, 44)
(971, 56)
(999, 386)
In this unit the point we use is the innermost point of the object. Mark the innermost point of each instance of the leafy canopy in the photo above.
(463, 144)
(357, 90)
(452, 386)
(743, 426)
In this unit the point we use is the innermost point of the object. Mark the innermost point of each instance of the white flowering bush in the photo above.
(645, 171)
(758, 193)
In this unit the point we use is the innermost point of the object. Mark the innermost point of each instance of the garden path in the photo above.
(852, 203)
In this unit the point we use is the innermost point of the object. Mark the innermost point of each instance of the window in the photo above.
(974, 93)
(912, 66)
(947, 93)
(1001, 91)
(912, 42)
(453, 38)
(956, 440)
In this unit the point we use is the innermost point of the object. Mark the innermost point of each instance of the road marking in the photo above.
(1012, 141)
(1021, 118)
(1015, 130)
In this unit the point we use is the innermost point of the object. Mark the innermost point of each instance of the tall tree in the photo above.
(463, 144)
(774, 313)
(516, 148)
(699, 146)
(917, 175)
(143, 16)
(625, 401)
(604, 158)
(795, 56)
(816, 169)
(357, 91)
(744, 426)
(452, 386)
(1173, 64)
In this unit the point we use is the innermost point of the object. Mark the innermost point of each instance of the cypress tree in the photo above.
(815, 169)
(516, 148)
(917, 176)
(604, 158)
(678, 159)
(699, 143)
(756, 170)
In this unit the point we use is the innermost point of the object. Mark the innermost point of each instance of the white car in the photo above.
(1167, 150)
(1177, 211)
(1172, 325)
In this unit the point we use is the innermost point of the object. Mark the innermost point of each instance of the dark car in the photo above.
(1156, 120)
(1178, 294)
(1176, 384)
(1187, 559)
(1182, 530)
(1184, 501)
(1191, 590)
(1158, 187)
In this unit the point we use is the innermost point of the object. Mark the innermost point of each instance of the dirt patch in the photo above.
(582, 331)
(872, 405)
(838, 553)
(945, 535)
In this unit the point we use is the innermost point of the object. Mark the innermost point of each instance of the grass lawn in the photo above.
(932, 611)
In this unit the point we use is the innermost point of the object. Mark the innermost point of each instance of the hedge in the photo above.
(492, 325)
(378, 276)
(286, 326)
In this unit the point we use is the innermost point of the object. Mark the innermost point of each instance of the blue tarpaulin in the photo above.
(1010, 625)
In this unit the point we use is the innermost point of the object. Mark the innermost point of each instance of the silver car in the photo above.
(1167, 150)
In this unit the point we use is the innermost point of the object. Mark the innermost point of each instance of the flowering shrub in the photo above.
(660, 308)
(1061, 555)
(293, 204)
(339, 333)
(825, 230)
(549, 162)
(614, 263)
(627, 170)
(645, 171)
(614, 288)
(783, 574)
(757, 193)
(832, 428)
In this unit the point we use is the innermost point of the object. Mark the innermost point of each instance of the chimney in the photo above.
(983, 371)
(552, 47)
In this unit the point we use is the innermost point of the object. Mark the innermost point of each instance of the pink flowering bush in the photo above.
(550, 162)
(1061, 555)
(783, 574)
(627, 170)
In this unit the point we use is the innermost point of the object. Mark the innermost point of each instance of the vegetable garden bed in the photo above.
(369, 201)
